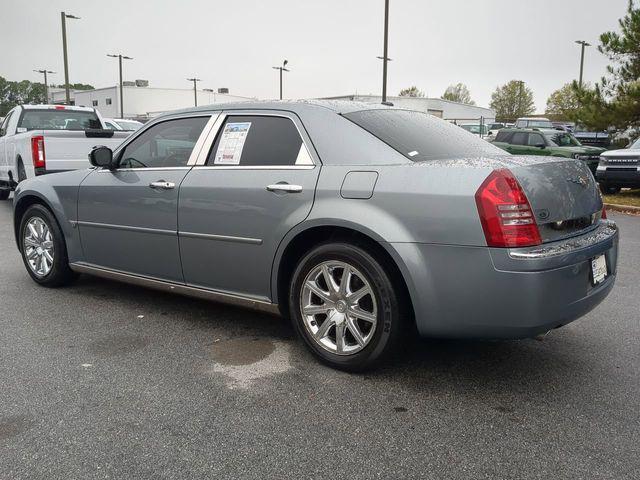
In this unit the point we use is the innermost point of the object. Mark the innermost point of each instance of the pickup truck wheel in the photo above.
(44, 251)
(344, 306)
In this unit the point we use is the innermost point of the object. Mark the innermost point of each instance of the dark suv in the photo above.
(553, 143)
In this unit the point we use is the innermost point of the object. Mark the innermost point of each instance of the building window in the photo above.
(108, 101)
(95, 103)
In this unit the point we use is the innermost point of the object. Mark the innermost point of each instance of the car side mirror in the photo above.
(101, 156)
(541, 145)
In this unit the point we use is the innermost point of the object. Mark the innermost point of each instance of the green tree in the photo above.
(18, 93)
(458, 93)
(512, 100)
(563, 104)
(78, 86)
(411, 92)
(615, 100)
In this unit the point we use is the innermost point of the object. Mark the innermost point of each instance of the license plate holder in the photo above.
(598, 269)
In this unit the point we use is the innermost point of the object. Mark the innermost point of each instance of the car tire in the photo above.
(610, 189)
(4, 194)
(43, 248)
(370, 324)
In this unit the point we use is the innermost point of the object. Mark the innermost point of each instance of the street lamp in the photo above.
(46, 84)
(583, 44)
(385, 55)
(282, 69)
(120, 57)
(63, 17)
(195, 90)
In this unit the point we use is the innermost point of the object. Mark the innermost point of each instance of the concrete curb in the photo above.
(622, 208)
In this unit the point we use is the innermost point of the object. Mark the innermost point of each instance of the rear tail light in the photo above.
(604, 213)
(37, 151)
(505, 212)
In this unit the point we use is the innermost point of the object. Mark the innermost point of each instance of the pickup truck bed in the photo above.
(27, 150)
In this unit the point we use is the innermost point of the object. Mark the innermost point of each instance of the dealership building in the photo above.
(459, 113)
(141, 101)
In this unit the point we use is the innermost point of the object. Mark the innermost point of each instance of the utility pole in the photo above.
(46, 83)
(583, 44)
(385, 55)
(63, 17)
(195, 89)
(282, 69)
(521, 83)
(120, 57)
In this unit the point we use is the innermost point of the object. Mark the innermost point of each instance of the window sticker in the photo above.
(231, 143)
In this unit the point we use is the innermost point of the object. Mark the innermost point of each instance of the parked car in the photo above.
(619, 168)
(122, 124)
(476, 129)
(407, 223)
(534, 122)
(39, 139)
(593, 139)
(552, 143)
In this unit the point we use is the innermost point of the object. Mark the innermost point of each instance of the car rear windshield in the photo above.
(59, 120)
(419, 136)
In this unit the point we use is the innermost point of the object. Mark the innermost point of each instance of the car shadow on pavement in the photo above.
(536, 365)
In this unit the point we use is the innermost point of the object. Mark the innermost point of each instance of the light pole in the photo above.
(63, 17)
(120, 57)
(385, 54)
(46, 84)
(195, 90)
(583, 44)
(282, 69)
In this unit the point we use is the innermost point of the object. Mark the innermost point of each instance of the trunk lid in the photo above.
(563, 194)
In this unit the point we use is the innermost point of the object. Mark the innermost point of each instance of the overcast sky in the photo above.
(331, 45)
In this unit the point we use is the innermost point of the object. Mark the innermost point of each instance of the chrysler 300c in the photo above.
(359, 222)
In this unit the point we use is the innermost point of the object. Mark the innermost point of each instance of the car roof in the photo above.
(295, 106)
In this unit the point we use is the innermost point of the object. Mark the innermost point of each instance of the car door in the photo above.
(537, 145)
(518, 143)
(128, 216)
(255, 184)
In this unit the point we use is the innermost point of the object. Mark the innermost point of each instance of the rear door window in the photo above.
(519, 138)
(253, 140)
(166, 144)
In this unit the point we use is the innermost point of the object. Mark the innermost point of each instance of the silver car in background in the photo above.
(359, 222)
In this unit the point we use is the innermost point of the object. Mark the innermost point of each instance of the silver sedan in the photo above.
(361, 223)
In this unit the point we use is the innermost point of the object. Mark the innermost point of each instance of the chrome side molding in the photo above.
(170, 287)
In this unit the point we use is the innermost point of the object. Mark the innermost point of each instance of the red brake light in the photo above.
(505, 213)
(604, 213)
(59, 107)
(37, 151)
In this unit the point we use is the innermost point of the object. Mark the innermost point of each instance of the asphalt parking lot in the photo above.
(105, 380)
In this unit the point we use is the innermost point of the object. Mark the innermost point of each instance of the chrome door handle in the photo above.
(161, 184)
(284, 187)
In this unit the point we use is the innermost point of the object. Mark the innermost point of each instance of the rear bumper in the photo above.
(493, 293)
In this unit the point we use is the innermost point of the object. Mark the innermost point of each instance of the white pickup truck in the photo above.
(39, 139)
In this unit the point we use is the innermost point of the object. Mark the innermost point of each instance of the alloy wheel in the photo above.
(339, 307)
(37, 245)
